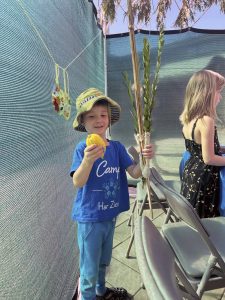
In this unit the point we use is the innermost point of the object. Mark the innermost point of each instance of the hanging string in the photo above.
(20, 2)
(194, 22)
(57, 74)
(35, 29)
(66, 81)
(82, 50)
(200, 17)
(66, 103)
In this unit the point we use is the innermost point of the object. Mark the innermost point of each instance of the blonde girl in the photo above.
(200, 178)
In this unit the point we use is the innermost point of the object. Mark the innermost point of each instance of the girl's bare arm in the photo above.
(206, 127)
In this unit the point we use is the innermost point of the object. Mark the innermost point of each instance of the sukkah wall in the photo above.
(184, 53)
(38, 249)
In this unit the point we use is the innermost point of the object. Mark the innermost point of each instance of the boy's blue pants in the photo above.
(95, 241)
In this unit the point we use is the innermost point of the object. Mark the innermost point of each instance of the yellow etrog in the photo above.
(95, 139)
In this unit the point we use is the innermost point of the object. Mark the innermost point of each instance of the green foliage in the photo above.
(109, 9)
(146, 86)
(133, 110)
(142, 9)
(158, 64)
(149, 90)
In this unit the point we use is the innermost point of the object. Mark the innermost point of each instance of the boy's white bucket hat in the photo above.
(86, 100)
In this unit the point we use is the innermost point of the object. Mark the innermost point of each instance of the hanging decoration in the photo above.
(60, 97)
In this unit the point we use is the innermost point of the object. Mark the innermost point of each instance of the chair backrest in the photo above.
(158, 182)
(182, 208)
(179, 205)
(160, 263)
(174, 184)
(133, 152)
(149, 283)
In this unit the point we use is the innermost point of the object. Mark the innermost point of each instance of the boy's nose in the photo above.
(99, 119)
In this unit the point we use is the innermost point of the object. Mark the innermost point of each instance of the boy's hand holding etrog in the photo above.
(95, 149)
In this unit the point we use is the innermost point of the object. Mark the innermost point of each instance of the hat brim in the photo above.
(115, 110)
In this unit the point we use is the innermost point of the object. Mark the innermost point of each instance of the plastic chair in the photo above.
(154, 174)
(158, 198)
(141, 201)
(162, 277)
(197, 243)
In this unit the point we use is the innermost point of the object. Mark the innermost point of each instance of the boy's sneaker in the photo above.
(114, 294)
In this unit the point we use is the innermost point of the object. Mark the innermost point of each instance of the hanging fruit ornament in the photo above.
(55, 97)
(65, 105)
(66, 108)
(60, 98)
(56, 90)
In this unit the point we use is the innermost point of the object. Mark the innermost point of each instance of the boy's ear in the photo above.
(81, 119)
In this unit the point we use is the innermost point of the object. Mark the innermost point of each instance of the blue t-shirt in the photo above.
(105, 194)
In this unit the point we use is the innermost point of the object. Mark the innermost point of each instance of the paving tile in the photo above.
(214, 295)
(223, 295)
(124, 272)
(141, 295)
(116, 242)
(120, 275)
(119, 253)
(123, 217)
(122, 232)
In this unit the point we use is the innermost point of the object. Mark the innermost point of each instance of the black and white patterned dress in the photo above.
(200, 182)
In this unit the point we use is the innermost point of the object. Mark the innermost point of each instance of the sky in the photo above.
(211, 19)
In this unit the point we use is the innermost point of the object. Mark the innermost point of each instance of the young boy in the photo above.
(102, 191)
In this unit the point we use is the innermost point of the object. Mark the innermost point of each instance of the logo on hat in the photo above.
(86, 100)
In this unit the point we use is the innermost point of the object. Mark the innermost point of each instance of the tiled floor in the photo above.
(124, 272)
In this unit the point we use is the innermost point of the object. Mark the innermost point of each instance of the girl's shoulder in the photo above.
(206, 121)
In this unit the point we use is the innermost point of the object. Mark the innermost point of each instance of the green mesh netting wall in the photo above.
(183, 54)
(38, 251)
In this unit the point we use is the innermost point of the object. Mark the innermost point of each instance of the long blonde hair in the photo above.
(200, 94)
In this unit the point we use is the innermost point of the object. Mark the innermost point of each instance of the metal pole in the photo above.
(105, 66)
(108, 133)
